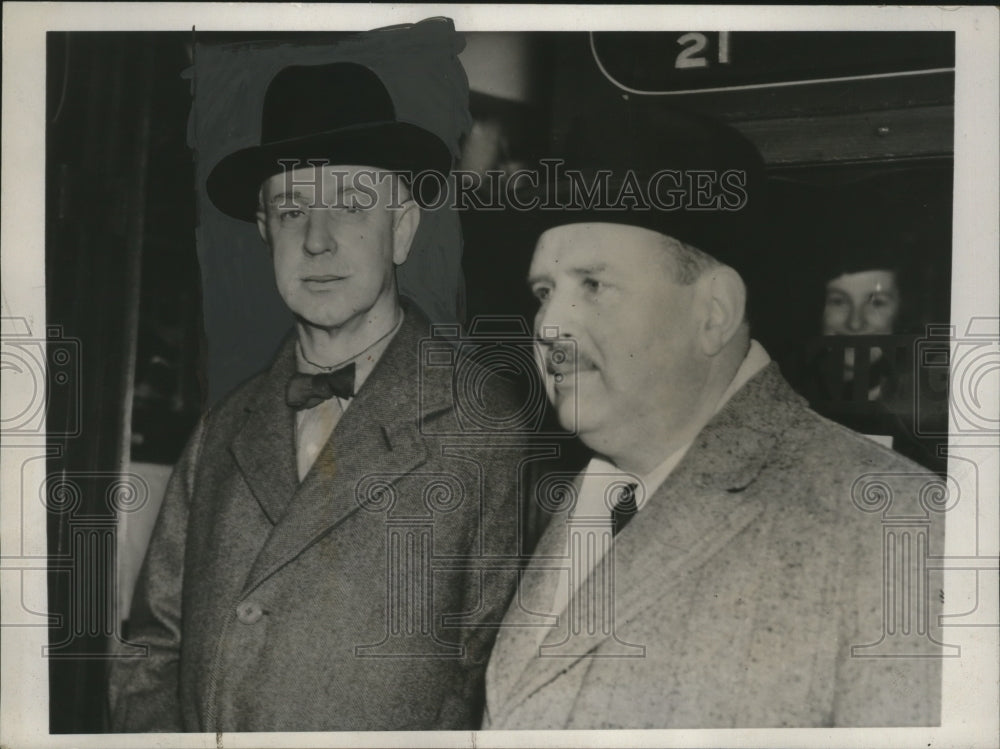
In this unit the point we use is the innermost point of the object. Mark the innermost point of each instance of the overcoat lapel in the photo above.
(650, 557)
(530, 611)
(264, 449)
(378, 434)
(691, 516)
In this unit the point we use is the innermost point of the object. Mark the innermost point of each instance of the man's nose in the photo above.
(319, 237)
(556, 319)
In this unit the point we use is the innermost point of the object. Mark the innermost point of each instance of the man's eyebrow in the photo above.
(589, 270)
(579, 271)
(287, 195)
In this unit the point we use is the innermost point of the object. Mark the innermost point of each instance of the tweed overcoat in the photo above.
(267, 604)
(745, 591)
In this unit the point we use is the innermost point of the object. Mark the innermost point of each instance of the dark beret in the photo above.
(685, 175)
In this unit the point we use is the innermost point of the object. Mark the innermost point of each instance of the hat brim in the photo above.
(731, 237)
(234, 182)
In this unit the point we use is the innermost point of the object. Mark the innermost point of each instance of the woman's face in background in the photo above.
(864, 303)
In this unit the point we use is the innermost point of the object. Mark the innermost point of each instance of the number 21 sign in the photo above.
(662, 62)
(696, 50)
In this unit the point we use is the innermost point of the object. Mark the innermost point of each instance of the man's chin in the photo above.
(325, 319)
(328, 324)
(567, 410)
(574, 397)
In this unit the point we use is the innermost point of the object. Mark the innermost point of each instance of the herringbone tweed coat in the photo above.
(744, 592)
(273, 605)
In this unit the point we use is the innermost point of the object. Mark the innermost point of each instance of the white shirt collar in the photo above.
(755, 360)
(364, 362)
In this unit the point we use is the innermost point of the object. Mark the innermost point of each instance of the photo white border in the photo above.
(971, 700)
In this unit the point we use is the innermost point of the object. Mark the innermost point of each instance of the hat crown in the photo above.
(679, 173)
(302, 100)
(648, 138)
(337, 113)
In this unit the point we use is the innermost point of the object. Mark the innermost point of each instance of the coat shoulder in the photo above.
(815, 438)
(842, 471)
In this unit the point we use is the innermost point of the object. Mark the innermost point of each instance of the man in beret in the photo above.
(289, 582)
(719, 562)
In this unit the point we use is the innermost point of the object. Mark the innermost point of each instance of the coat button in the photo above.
(249, 612)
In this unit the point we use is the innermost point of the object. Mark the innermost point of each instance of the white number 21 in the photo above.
(694, 44)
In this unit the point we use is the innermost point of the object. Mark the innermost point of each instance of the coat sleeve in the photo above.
(143, 690)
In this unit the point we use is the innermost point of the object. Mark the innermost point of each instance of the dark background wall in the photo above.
(121, 278)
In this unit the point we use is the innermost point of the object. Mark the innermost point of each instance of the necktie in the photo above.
(624, 509)
(308, 391)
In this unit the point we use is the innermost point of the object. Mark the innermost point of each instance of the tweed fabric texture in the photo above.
(265, 602)
(739, 591)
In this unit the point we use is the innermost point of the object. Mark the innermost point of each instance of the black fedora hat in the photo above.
(340, 113)
(682, 174)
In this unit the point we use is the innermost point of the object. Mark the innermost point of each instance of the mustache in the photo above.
(564, 358)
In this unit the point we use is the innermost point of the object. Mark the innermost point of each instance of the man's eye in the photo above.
(349, 207)
(351, 203)
(592, 284)
(878, 302)
(541, 293)
(290, 215)
(835, 301)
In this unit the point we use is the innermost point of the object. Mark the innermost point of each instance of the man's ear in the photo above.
(262, 212)
(405, 221)
(725, 300)
(262, 224)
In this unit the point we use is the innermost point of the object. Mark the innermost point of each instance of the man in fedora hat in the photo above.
(719, 562)
(290, 581)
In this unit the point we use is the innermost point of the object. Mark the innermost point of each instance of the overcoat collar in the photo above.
(378, 434)
(693, 514)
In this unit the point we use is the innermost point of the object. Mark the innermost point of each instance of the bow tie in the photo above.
(309, 390)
